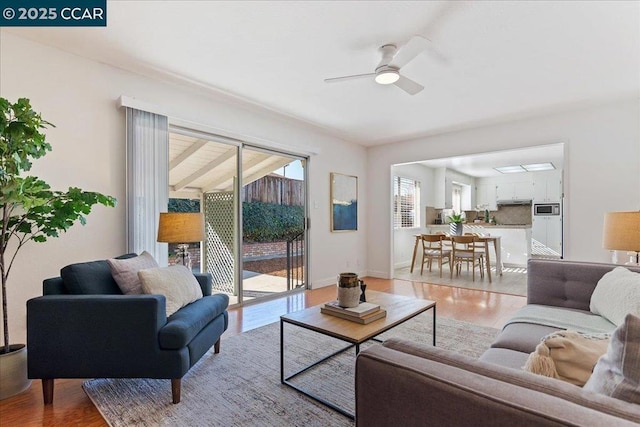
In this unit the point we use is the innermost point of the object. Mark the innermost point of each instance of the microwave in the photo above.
(546, 209)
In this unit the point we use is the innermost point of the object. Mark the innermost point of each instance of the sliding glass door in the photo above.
(273, 197)
(203, 177)
(254, 207)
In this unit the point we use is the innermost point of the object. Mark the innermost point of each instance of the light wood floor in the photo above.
(71, 406)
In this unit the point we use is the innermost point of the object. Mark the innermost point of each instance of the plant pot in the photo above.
(455, 228)
(13, 371)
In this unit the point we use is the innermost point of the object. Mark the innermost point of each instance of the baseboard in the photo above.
(379, 274)
(402, 264)
(330, 281)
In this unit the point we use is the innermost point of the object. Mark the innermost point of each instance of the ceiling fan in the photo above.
(393, 59)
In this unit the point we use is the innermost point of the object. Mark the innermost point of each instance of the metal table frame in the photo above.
(286, 379)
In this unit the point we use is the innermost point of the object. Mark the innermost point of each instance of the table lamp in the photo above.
(181, 228)
(621, 232)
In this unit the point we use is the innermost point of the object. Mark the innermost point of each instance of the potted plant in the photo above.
(30, 211)
(456, 221)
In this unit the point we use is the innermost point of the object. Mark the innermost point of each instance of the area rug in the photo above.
(241, 386)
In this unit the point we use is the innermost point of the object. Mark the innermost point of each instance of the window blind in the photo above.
(406, 202)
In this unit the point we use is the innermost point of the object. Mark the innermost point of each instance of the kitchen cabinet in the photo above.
(546, 233)
(486, 196)
(521, 189)
(547, 186)
(516, 245)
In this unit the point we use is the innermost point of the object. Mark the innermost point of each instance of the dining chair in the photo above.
(480, 248)
(464, 250)
(433, 248)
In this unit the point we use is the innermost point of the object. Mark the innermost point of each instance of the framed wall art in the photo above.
(344, 202)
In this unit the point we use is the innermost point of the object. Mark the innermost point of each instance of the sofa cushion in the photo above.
(523, 337)
(176, 282)
(90, 278)
(617, 373)
(125, 272)
(562, 318)
(187, 322)
(617, 294)
(505, 357)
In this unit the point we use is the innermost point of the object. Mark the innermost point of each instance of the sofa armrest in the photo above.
(206, 282)
(398, 388)
(563, 283)
(102, 333)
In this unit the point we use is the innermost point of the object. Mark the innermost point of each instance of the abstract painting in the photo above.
(344, 202)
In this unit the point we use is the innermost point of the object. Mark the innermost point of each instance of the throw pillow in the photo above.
(616, 294)
(91, 278)
(179, 286)
(617, 373)
(125, 272)
(567, 355)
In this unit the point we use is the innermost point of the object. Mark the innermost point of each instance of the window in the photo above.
(406, 203)
(456, 198)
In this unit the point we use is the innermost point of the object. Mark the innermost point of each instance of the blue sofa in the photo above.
(84, 327)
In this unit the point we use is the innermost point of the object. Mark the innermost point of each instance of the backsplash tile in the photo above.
(505, 215)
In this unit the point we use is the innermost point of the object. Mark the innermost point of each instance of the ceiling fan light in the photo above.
(387, 77)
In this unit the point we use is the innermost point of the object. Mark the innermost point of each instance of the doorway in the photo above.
(273, 198)
(494, 202)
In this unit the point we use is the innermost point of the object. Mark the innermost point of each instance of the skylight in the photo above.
(533, 167)
(510, 169)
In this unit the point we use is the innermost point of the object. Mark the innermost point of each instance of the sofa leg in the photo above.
(47, 390)
(216, 347)
(175, 389)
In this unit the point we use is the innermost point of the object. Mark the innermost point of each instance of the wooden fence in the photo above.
(275, 189)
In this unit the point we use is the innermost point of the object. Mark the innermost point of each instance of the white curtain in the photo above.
(147, 181)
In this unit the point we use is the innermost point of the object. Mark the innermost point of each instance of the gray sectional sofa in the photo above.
(412, 384)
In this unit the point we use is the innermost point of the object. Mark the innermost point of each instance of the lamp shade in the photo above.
(621, 231)
(180, 227)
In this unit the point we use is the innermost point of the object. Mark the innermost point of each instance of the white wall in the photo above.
(404, 239)
(602, 170)
(79, 96)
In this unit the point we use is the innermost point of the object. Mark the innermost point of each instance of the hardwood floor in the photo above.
(72, 407)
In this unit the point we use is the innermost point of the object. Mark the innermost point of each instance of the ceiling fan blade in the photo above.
(414, 47)
(355, 76)
(408, 85)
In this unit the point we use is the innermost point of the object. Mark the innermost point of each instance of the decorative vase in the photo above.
(455, 228)
(13, 371)
(348, 290)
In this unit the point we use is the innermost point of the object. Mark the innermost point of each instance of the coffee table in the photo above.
(399, 310)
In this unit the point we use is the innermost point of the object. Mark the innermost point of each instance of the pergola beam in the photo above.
(187, 153)
(205, 169)
(223, 178)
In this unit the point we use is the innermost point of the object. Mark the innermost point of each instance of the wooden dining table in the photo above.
(497, 246)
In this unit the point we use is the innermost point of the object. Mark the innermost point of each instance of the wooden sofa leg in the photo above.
(47, 390)
(216, 347)
(175, 389)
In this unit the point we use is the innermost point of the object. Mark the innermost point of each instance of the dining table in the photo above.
(497, 246)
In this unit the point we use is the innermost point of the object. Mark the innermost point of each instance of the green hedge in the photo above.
(266, 222)
(184, 205)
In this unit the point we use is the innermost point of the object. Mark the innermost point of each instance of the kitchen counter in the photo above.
(516, 239)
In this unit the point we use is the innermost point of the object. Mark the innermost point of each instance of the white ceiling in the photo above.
(503, 59)
(482, 165)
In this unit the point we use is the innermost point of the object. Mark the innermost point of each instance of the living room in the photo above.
(76, 82)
